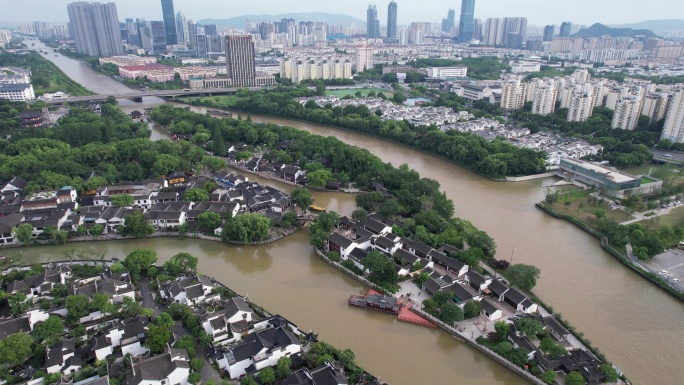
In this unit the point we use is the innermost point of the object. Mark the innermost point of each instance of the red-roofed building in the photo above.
(155, 72)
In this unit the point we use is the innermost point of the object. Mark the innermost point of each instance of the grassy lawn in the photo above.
(581, 209)
(353, 91)
(674, 218)
(221, 101)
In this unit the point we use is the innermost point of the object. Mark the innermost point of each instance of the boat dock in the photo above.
(386, 304)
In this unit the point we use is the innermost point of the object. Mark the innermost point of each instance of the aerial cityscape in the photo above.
(351, 193)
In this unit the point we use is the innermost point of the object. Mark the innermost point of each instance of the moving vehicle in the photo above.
(668, 156)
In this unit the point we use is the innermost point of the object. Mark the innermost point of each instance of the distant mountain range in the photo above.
(330, 18)
(657, 26)
(598, 30)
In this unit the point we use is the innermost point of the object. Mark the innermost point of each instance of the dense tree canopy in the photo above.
(495, 159)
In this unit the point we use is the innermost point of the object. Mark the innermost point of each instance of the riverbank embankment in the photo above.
(652, 278)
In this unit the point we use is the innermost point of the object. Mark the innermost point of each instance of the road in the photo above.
(674, 157)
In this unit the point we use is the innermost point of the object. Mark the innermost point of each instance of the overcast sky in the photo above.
(539, 12)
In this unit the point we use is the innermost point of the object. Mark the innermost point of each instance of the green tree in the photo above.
(101, 302)
(24, 233)
(139, 259)
(209, 186)
(609, 372)
(472, 309)
(49, 331)
(360, 215)
(549, 377)
(283, 367)
(399, 98)
(574, 378)
(164, 320)
(181, 263)
(196, 364)
(157, 338)
(551, 349)
(195, 378)
(529, 327)
(182, 230)
(267, 376)
(302, 197)
(600, 214)
(59, 237)
(209, 221)
(523, 276)
(77, 306)
(16, 348)
(289, 219)
(213, 163)
(219, 146)
(247, 228)
(450, 313)
(130, 309)
(501, 328)
(136, 225)
(318, 179)
(122, 200)
(117, 267)
(97, 230)
(188, 343)
(347, 358)
(197, 195)
(248, 380)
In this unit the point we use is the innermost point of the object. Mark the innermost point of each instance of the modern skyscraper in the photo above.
(192, 33)
(465, 26)
(450, 21)
(212, 29)
(158, 37)
(133, 32)
(169, 21)
(95, 28)
(565, 29)
(674, 120)
(182, 28)
(372, 22)
(240, 64)
(549, 31)
(392, 22)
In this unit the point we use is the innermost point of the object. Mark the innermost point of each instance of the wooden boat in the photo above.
(317, 209)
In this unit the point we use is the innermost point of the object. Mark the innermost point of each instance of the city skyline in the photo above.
(428, 10)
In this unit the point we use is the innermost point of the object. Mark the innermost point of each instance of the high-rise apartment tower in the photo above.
(95, 28)
(240, 64)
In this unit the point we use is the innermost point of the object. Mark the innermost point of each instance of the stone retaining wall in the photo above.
(483, 349)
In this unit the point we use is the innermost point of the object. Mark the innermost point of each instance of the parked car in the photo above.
(675, 280)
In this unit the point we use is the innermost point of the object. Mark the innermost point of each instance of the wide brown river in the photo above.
(636, 325)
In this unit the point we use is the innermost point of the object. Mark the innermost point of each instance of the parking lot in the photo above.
(673, 262)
